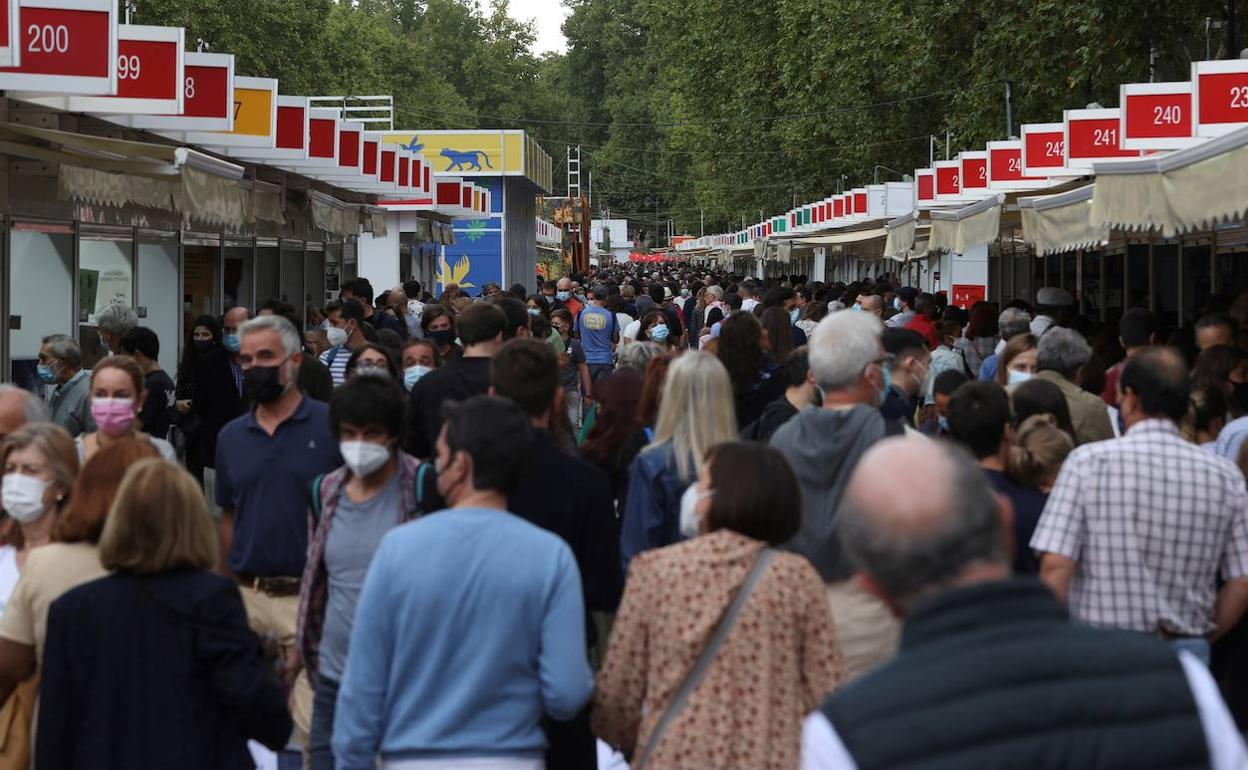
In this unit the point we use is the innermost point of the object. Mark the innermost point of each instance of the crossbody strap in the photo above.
(707, 656)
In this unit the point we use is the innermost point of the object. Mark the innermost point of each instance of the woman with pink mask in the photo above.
(117, 395)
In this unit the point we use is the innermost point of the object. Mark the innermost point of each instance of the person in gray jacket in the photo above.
(823, 445)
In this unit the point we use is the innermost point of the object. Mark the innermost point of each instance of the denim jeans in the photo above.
(324, 700)
(1196, 646)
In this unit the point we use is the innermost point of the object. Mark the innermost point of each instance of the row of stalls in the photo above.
(1141, 205)
(135, 171)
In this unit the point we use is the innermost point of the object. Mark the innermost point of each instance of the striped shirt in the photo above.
(336, 359)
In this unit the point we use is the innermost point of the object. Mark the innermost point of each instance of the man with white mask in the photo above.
(353, 507)
(345, 335)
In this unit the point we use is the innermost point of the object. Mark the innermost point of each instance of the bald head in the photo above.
(914, 538)
(872, 303)
(1155, 383)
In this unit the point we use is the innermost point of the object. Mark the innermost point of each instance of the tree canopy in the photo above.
(722, 110)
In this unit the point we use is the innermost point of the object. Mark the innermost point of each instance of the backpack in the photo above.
(422, 478)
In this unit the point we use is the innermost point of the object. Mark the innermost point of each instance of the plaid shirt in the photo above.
(1150, 519)
(314, 588)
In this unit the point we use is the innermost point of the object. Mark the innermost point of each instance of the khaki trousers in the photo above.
(867, 631)
(275, 617)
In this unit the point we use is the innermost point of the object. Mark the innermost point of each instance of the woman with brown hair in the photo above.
(117, 394)
(980, 339)
(163, 641)
(617, 435)
(779, 331)
(774, 650)
(1017, 363)
(438, 324)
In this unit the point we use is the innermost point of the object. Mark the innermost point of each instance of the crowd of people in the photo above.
(632, 518)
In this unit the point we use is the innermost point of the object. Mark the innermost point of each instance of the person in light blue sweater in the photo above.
(470, 626)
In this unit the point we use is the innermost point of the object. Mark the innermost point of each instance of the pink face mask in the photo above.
(113, 416)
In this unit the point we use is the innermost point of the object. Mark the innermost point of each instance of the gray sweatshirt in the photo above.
(824, 446)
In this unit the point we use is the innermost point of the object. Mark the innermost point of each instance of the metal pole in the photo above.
(701, 222)
(1009, 109)
(948, 134)
(1232, 47)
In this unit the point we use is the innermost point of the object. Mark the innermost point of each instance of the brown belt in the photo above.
(273, 586)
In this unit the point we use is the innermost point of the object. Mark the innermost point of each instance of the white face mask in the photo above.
(413, 373)
(1016, 377)
(364, 457)
(22, 496)
(337, 337)
(689, 524)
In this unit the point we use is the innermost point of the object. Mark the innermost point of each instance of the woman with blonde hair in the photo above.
(696, 412)
(161, 641)
(1040, 448)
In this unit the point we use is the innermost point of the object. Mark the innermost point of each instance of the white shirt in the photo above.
(1040, 324)
(8, 574)
(632, 330)
(748, 305)
(822, 748)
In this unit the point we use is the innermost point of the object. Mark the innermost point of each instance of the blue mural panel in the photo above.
(476, 258)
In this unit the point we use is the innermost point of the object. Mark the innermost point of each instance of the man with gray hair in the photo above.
(265, 463)
(60, 364)
(1060, 356)
(18, 407)
(1012, 322)
(113, 322)
(991, 672)
(823, 445)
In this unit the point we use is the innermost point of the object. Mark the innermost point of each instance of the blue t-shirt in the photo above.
(596, 326)
(266, 480)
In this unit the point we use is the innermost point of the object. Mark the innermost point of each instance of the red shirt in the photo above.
(924, 326)
(1110, 394)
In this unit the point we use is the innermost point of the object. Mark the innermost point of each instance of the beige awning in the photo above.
(900, 241)
(118, 172)
(1192, 189)
(962, 229)
(1063, 222)
(850, 236)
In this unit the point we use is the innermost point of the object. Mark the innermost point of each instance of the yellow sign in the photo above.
(483, 153)
(253, 112)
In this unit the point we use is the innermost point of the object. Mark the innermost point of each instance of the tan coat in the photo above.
(779, 662)
(1088, 413)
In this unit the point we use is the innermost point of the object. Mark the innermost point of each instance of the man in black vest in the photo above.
(991, 673)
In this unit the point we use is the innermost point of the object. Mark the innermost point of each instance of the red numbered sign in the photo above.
(860, 201)
(1044, 149)
(974, 171)
(965, 295)
(1221, 96)
(925, 185)
(838, 208)
(67, 46)
(948, 178)
(349, 147)
(207, 91)
(1157, 116)
(323, 135)
(292, 123)
(1094, 135)
(389, 155)
(10, 54)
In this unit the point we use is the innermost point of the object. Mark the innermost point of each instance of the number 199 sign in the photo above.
(63, 46)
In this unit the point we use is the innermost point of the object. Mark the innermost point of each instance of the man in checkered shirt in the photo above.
(1137, 530)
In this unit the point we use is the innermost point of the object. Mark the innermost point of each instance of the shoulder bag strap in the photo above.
(316, 497)
(707, 656)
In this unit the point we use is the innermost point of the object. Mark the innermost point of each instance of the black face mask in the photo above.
(442, 336)
(262, 384)
(203, 346)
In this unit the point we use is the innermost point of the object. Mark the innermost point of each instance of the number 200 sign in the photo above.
(61, 46)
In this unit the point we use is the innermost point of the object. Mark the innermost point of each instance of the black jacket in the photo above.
(155, 672)
(777, 413)
(215, 400)
(572, 498)
(996, 676)
(458, 379)
(315, 379)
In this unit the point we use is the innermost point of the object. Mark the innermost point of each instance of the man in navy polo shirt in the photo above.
(266, 462)
(599, 333)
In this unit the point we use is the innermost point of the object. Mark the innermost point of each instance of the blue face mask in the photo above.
(46, 374)
(412, 375)
(943, 424)
(897, 304)
(888, 383)
(1017, 378)
(659, 333)
(856, 307)
(794, 314)
(231, 342)
(563, 296)
(534, 312)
